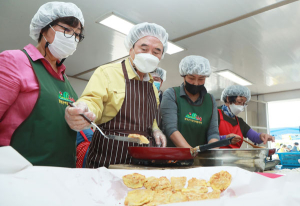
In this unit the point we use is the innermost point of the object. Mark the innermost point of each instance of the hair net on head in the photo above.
(236, 90)
(194, 65)
(146, 29)
(51, 11)
(161, 73)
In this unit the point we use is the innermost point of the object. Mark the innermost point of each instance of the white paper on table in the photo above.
(45, 186)
(11, 161)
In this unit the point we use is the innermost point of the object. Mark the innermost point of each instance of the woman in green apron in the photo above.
(34, 123)
(189, 113)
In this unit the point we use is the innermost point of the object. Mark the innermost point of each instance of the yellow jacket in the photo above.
(105, 92)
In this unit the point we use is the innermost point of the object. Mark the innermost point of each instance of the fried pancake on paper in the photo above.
(194, 194)
(197, 184)
(215, 194)
(178, 183)
(151, 183)
(134, 180)
(220, 181)
(178, 197)
(163, 183)
(139, 197)
(160, 197)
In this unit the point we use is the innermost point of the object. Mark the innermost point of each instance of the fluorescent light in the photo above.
(172, 48)
(124, 26)
(117, 23)
(233, 77)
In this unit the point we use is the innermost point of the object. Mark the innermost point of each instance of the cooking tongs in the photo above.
(202, 148)
(107, 136)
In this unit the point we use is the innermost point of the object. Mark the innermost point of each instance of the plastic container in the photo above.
(289, 160)
(278, 167)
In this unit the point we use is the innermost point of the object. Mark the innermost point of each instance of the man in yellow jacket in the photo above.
(122, 99)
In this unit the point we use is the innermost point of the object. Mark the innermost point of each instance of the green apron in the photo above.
(193, 120)
(45, 138)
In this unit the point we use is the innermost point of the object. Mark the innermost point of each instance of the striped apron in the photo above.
(136, 116)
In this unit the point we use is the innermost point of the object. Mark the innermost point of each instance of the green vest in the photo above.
(193, 120)
(45, 138)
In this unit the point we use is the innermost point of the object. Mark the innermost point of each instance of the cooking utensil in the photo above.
(173, 153)
(254, 146)
(107, 136)
(251, 159)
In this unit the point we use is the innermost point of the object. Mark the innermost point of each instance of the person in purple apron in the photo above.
(35, 90)
(123, 98)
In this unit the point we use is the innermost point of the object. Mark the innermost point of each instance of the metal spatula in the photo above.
(107, 136)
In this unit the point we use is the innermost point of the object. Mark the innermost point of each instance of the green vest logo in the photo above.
(193, 117)
(64, 98)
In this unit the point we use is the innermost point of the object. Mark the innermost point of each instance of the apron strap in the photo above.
(221, 115)
(237, 121)
(84, 136)
(175, 96)
(125, 72)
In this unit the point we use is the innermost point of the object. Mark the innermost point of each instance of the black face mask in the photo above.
(193, 89)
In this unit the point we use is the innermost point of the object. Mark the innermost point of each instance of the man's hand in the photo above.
(73, 118)
(266, 137)
(160, 138)
(234, 140)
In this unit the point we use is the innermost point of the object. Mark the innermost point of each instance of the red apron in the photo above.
(226, 128)
(81, 150)
(136, 116)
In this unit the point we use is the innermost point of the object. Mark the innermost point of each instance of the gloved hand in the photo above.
(266, 137)
(234, 140)
(73, 118)
(160, 138)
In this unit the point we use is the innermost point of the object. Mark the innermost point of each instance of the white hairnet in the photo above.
(236, 90)
(51, 11)
(194, 65)
(146, 29)
(161, 73)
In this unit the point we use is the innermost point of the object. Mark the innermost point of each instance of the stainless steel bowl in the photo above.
(249, 159)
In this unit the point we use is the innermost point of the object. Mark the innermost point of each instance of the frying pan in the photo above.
(173, 153)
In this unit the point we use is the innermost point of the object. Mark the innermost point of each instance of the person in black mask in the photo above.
(189, 113)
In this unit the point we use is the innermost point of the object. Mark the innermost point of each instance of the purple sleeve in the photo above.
(222, 137)
(254, 136)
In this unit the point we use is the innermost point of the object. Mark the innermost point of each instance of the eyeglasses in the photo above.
(241, 103)
(69, 32)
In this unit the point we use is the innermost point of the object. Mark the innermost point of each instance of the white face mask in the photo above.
(145, 62)
(62, 47)
(236, 109)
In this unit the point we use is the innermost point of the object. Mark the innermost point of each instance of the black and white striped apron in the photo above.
(136, 116)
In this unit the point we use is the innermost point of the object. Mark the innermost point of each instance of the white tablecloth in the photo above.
(43, 186)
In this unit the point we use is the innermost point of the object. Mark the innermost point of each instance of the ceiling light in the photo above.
(124, 26)
(172, 48)
(233, 77)
(117, 23)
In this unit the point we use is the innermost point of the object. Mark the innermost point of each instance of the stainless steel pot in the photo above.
(249, 159)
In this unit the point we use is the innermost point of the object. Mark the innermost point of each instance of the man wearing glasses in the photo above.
(235, 98)
(35, 91)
